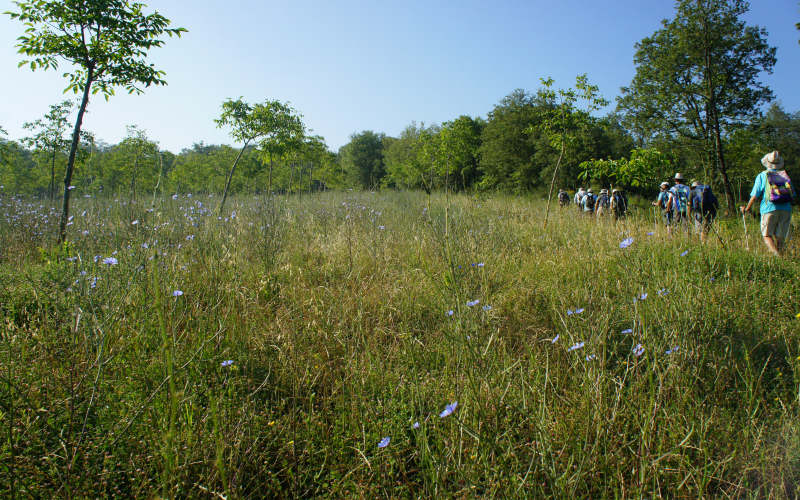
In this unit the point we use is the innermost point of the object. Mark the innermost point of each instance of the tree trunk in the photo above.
(269, 183)
(230, 176)
(723, 169)
(76, 133)
(553, 180)
(53, 177)
(311, 177)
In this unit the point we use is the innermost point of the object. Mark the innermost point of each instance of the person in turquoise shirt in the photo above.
(776, 216)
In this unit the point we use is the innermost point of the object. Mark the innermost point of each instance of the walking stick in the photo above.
(746, 239)
(714, 228)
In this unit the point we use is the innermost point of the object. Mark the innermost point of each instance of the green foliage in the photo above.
(643, 170)
(48, 139)
(698, 77)
(107, 41)
(362, 159)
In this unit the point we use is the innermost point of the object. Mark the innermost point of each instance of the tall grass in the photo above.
(334, 310)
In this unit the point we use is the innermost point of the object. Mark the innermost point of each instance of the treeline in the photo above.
(137, 167)
(508, 151)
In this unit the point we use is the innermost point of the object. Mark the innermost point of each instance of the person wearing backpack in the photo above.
(587, 203)
(579, 198)
(619, 204)
(704, 206)
(679, 201)
(663, 202)
(563, 198)
(603, 203)
(774, 188)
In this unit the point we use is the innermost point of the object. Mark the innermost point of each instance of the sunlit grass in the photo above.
(311, 328)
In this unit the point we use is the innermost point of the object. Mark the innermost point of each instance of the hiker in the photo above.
(603, 203)
(619, 204)
(587, 203)
(563, 198)
(663, 202)
(704, 206)
(774, 188)
(579, 198)
(679, 201)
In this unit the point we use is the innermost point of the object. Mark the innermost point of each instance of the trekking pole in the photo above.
(746, 239)
(714, 228)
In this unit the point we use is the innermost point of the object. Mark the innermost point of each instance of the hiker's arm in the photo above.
(750, 203)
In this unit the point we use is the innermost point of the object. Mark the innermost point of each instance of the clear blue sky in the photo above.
(349, 66)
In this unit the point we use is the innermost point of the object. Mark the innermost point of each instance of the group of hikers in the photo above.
(680, 204)
(615, 203)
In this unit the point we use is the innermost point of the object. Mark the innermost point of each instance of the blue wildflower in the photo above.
(110, 261)
(384, 442)
(415, 426)
(627, 330)
(651, 233)
(638, 350)
(487, 308)
(449, 409)
(574, 347)
(226, 363)
(591, 357)
(555, 338)
(685, 252)
(473, 302)
(450, 312)
(570, 312)
(670, 351)
(663, 292)
(177, 293)
(626, 243)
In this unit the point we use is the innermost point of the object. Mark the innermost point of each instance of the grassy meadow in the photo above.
(169, 351)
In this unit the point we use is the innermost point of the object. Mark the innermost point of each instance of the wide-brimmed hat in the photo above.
(772, 161)
(602, 191)
(589, 190)
(678, 177)
(615, 190)
(665, 184)
(695, 184)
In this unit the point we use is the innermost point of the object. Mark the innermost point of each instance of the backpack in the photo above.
(682, 193)
(703, 199)
(779, 186)
(620, 204)
(563, 197)
(588, 202)
(603, 201)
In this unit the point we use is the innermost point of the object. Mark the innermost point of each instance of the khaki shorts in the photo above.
(777, 223)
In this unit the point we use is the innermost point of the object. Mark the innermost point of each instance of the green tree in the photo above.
(461, 142)
(507, 146)
(48, 137)
(273, 124)
(138, 151)
(105, 40)
(401, 161)
(697, 78)
(362, 159)
(562, 121)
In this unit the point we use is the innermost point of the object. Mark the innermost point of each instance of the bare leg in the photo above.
(771, 245)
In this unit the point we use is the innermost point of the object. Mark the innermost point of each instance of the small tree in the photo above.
(105, 40)
(272, 123)
(562, 119)
(48, 137)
